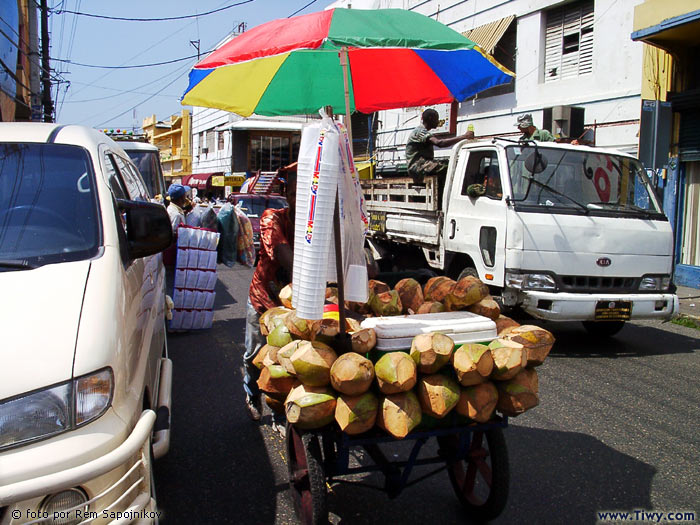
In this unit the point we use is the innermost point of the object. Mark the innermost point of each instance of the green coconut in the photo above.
(473, 363)
(352, 374)
(279, 336)
(274, 379)
(301, 328)
(284, 355)
(430, 307)
(285, 296)
(466, 292)
(386, 303)
(312, 363)
(410, 293)
(478, 402)
(356, 414)
(310, 407)
(438, 394)
(272, 318)
(509, 358)
(396, 372)
(431, 351)
(518, 394)
(399, 414)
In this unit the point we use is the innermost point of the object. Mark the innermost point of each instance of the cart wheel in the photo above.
(480, 480)
(307, 480)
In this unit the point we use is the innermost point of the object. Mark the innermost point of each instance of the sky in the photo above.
(121, 98)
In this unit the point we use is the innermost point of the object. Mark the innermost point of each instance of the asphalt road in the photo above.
(616, 429)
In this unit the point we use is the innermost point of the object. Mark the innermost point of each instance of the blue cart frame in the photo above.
(475, 457)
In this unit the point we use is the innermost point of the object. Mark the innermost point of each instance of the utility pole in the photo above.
(45, 77)
(34, 67)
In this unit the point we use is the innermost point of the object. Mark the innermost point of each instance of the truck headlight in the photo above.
(655, 282)
(530, 281)
(53, 410)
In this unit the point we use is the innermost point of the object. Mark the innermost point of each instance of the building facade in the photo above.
(670, 30)
(172, 137)
(575, 68)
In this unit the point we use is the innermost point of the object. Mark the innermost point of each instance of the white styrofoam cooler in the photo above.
(397, 332)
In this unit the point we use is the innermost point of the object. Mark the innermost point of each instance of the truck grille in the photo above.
(592, 284)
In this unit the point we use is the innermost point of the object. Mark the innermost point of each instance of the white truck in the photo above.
(565, 233)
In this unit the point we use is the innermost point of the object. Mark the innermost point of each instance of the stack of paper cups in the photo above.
(313, 232)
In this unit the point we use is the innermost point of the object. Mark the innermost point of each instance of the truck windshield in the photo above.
(590, 182)
(48, 206)
(148, 163)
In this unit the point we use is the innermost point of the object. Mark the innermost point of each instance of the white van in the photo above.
(85, 380)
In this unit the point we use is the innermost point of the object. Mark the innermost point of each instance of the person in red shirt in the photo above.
(273, 272)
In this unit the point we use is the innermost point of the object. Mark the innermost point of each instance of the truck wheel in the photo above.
(603, 328)
(468, 272)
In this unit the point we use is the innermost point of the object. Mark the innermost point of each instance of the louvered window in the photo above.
(569, 41)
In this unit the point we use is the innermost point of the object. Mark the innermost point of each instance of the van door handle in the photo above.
(453, 223)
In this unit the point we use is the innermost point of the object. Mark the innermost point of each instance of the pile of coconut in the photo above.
(304, 377)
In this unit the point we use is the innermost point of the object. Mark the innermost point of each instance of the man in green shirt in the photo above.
(530, 132)
(419, 148)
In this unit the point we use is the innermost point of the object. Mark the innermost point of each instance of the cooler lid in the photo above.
(448, 323)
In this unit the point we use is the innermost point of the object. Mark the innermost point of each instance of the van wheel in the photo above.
(468, 272)
(603, 328)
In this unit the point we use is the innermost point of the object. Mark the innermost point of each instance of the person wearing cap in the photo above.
(530, 132)
(177, 194)
(420, 153)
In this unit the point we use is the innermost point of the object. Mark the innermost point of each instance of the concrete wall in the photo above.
(215, 160)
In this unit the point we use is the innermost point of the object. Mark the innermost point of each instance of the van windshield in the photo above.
(592, 183)
(148, 163)
(48, 205)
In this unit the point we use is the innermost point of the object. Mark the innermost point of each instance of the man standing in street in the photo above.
(177, 193)
(419, 148)
(530, 132)
(273, 272)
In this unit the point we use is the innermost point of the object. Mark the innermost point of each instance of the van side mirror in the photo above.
(148, 228)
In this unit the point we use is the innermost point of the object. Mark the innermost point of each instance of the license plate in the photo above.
(377, 221)
(613, 311)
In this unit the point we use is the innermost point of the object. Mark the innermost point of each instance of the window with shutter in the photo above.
(569, 41)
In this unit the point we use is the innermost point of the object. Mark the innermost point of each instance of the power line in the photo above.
(126, 67)
(91, 15)
(301, 9)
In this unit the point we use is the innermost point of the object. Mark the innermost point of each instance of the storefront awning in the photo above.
(199, 180)
(488, 35)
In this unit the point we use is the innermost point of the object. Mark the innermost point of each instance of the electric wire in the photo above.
(302, 8)
(164, 19)
(132, 66)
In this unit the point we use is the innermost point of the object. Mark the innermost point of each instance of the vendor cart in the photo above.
(475, 457)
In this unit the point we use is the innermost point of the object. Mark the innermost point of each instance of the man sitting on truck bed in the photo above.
(419, 148)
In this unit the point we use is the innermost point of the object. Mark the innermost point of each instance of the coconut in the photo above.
(280, 336)
(330, 327)
(310, 407)
(466, 292)
(505, 324)
(276, 380)
(301, 328)
(275, 405)
(399, 414)
(285, 296)
(377, 287)
(431, 351)
(359, 308)
(356, 414)
(438, 394)
(271, 318)
(363, 340)
(430, 307)
(536, 340)
(352, 374)
(259, 358)
(331, 291)
(410, 293)
(478, 402)
(386, 303)
(473, 363)
(312, 363)
(486, 307)
(284, 355)
(396, 372)
(518, 394)
(271, 356)
(437, 288)
(509, 358)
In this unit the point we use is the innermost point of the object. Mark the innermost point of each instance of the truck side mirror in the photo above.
(148, 228)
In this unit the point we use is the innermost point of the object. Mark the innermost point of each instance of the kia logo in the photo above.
(603, 261)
